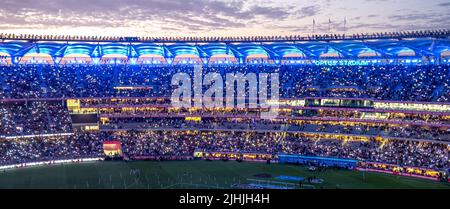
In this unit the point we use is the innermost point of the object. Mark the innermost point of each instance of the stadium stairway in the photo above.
(437, 92)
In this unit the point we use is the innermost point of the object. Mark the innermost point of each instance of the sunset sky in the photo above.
(218, 18)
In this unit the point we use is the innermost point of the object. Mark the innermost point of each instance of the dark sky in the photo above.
(219, 17)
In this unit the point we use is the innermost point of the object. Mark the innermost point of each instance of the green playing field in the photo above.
(196, 174)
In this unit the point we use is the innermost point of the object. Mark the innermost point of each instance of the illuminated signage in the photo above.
(412, 106)
(340, 62)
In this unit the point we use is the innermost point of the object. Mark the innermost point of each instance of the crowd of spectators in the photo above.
(242, 124)
(34, 117)
(47, 117)
(404, 83)
(396, 82)
(184, 143)
(37, 149)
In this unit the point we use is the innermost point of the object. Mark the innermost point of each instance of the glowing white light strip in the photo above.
(38, 135)
(23, 165)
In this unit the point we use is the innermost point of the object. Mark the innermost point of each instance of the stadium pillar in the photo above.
(437, 59)
(95, 60)
(2, 80)
(15, 60)
(278, 61)
(396, 61)
(133, 60)
(169, 60)
(242, 60)
(56, 60)
(205, 61)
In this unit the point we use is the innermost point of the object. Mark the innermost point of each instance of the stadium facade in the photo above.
(429, 47)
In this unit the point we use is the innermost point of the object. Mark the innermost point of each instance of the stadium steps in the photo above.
(437, 93)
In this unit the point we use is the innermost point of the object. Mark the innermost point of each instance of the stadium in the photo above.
(355, 111)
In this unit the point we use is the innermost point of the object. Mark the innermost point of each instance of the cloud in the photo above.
(414, 17)
(205, 17)
(307, 11)
(195, 14)
(445, 4)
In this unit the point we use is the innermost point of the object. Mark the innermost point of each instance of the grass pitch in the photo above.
(196, 174)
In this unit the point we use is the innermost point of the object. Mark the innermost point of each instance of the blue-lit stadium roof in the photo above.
(388, 48)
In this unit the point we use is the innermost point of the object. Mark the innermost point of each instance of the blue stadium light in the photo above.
(309, 49)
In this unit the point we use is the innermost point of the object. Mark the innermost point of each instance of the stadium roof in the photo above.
(311, 49)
